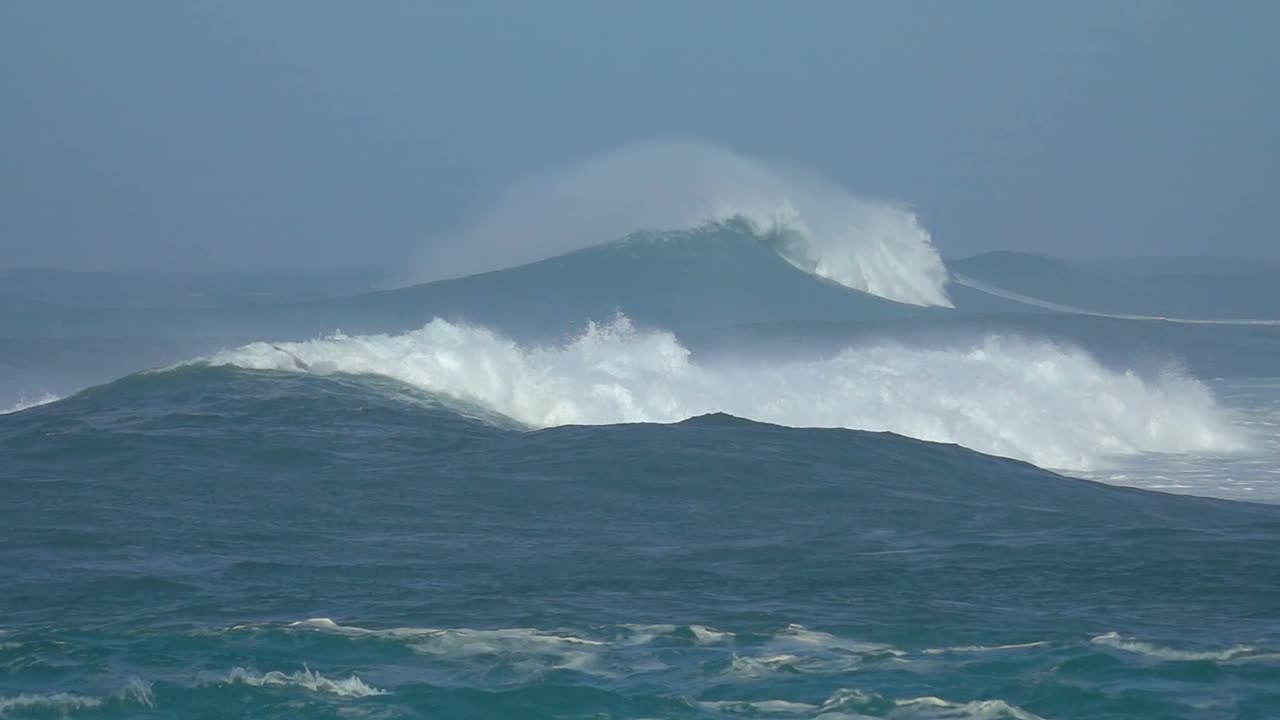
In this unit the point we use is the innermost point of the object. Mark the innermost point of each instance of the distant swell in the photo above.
(869, 245)
(1051, 405)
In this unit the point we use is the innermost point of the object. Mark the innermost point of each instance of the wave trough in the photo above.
(1051, 405)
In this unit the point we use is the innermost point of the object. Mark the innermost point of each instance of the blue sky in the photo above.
(324, 134)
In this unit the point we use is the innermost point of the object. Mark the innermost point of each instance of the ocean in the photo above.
(710, 473)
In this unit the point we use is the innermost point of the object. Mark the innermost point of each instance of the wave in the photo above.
(873, 246)
(26, 403)
(765, 670)
(1237, 654)
(352, 686)
(1051, 405)
(984, 648)
(136, 691)
(61, 703)
(465, 639)
(526, 652)
(851, 704)
(796, 649)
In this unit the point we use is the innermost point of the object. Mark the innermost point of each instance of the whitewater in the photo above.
(1035, 400)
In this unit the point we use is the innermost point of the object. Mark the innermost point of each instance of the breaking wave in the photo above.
(136, 691)
(1048, 404)
(873, 246)
(305, 679)
(853, 704)
(1237, 654)
(54, 703)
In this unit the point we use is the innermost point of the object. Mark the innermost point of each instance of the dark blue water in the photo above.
(303, 532)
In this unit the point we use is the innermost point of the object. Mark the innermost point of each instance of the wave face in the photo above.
(1033, 400)
(868, 245)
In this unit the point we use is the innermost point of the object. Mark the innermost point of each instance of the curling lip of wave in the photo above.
(1053, 406)
(868, 245)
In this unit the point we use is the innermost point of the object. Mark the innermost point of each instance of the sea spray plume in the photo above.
(869, 245)
(1054, 406)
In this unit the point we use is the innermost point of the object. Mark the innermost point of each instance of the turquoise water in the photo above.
(444, 522)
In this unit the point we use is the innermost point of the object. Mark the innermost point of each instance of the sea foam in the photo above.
(1052, 405)
(25, 403)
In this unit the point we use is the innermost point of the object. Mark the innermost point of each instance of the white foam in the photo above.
(1254, 404)
(139, 691)
(352, 686)
(758, 707)
(821, 228)
(754, 667)
(849, 704)
(799, 636)
(136, 690)
(984, 648)
(57, 702)
(1052, 405)
(528, 650)
(707, 636)
(465, 641)
(644, 634)
(932, 707)
(331, 626)
(467, 637)
(921, 708)
(798, 649)
(25, 403)
(1239, 653)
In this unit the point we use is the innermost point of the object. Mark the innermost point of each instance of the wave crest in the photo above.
(352, 686)
(1054, 406)
(873, 246)
(1239, 653)
(27, 402)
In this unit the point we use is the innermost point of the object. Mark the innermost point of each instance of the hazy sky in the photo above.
(304, 133)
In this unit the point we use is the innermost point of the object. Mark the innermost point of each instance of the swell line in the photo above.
(1072, 310)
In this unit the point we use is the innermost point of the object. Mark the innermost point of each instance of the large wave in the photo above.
(869, 245)
(1033, 400)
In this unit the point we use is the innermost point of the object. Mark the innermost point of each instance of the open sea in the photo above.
(698, 474)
